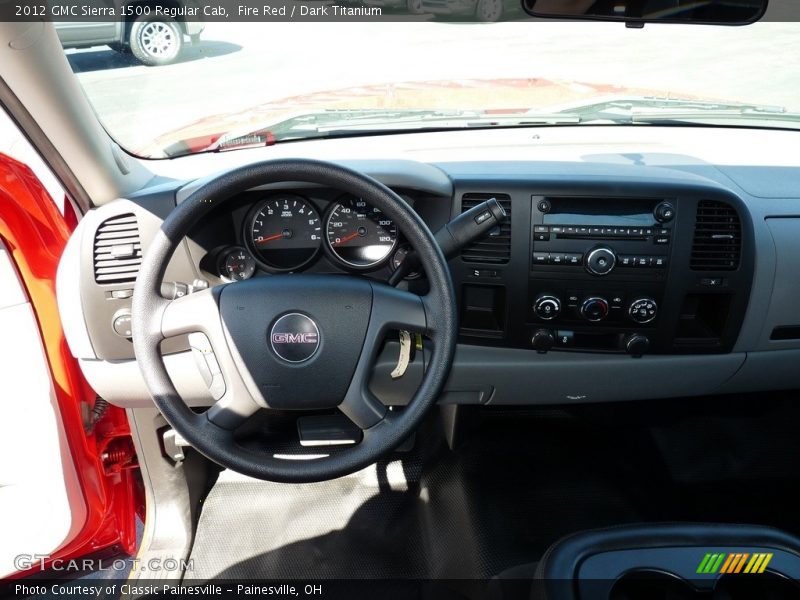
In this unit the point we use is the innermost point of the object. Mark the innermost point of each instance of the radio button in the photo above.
(642, 261)
(664, 212)
(541, 228)
(570, 230)
(541, 237)
(547, 307)
(573, 259)
(596, 230)
(555, 229)
(600, 261)
(626, 260)
(541, 258)
(659, 262)
(583, 231)
(648, 231)
(557, 259)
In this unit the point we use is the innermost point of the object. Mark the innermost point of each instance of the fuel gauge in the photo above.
(236, 264)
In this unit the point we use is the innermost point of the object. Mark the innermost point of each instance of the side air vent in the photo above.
(717, 242)
(117, 250)
(495, 247)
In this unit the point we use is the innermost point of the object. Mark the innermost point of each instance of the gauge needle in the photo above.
(277, 236)
(346, 239)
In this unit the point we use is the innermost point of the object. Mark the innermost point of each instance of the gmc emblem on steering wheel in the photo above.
(294, 338)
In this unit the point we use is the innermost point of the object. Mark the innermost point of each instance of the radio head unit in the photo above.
(600, 235)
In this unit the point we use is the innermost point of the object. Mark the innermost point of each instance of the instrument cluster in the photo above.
(285, 232)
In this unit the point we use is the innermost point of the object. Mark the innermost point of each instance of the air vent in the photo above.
(495, 247)
(117, 250)
(717, 242)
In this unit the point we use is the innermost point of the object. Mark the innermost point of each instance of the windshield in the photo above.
(236, 84)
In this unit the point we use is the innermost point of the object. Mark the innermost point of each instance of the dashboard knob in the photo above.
(542, 340)
(600, 260)
(594, 309)
(636, 344)
(664, 212)
(643, 310)
(547, 307)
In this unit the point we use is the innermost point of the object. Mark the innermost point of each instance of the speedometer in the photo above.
(284, 232)
(359, 235)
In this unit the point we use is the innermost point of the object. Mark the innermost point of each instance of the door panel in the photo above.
(101, 494)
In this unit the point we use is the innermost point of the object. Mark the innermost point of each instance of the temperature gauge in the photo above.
(236, 264)
(399, 256)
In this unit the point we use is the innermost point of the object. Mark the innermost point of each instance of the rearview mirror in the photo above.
(717, 12)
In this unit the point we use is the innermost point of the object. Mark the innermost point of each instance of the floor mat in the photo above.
(428, 514)
(520, 480)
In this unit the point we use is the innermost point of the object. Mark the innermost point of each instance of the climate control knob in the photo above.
(547, 307)
(594, 309)
(600, 260)
(643, 310)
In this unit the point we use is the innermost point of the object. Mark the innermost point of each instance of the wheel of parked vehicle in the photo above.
(293, 342)
(155, 42)
(415, 7)
(489, 11)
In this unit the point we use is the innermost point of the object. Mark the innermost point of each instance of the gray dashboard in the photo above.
(496, 368)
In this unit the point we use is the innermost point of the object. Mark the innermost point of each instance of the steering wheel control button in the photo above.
(594, 309)
(294, 337)
(547, 307)
(643, 310)
(664, 212)
(207, 364)
(600, 261)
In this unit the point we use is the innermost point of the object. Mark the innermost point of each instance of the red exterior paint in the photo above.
(35, 234)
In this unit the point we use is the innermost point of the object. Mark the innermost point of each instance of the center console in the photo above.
(667, 272)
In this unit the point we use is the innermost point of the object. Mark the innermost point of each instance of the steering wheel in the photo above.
(293, 342)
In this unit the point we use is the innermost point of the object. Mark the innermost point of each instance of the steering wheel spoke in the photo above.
(391, 309)
(198, 316)
(198, 311)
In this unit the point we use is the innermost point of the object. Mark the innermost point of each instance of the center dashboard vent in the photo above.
(494, 247)
(717, 244)
(117, 250)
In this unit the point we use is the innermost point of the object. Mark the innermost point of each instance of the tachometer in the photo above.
(359, 235)
(284, 232)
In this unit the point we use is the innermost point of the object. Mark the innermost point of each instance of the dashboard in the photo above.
(619, 279)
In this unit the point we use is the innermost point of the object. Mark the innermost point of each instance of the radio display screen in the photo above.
(599, 211)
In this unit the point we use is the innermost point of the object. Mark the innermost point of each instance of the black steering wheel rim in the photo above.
(216, 442)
